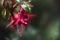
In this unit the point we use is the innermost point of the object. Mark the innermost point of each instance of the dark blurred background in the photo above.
(45, 26)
